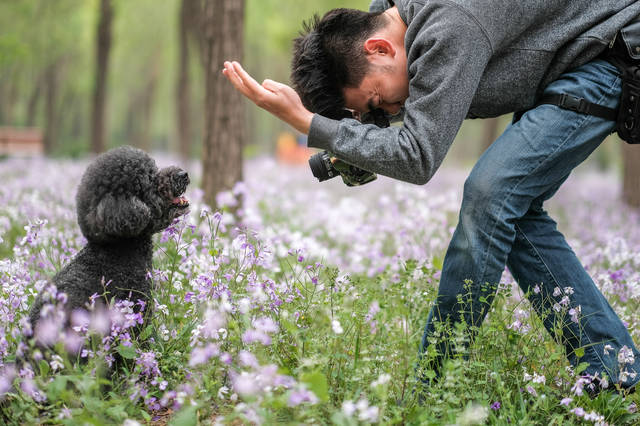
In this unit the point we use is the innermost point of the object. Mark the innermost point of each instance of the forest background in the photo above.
(48, 73)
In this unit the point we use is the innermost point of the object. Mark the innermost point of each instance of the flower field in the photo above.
(304, 304)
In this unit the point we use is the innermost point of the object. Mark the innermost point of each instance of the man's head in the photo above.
(351, 59)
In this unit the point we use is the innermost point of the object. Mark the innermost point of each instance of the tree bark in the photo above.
(103, 50)
(51, 81)
(224, 111)
(183, 86)
(9, 98)
(32, 105)
(141, 109)
(631, 174)
(490, 132)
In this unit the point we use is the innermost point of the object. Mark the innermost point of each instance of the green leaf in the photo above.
(437, 263)
(117, 412)
(127, 352)
(56, 387)
(579, 352)
(146, 333)
(582, 366)
(186, 417)
(44, 367)
(317, 383)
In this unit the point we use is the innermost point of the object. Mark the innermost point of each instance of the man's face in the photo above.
(385, 87)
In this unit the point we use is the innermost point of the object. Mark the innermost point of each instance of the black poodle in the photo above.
(122, 200)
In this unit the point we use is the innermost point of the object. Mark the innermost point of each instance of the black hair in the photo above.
(329, 56)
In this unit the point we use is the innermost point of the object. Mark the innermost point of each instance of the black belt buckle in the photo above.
(572, 103)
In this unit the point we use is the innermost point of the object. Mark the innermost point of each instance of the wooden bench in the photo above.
(19, 142)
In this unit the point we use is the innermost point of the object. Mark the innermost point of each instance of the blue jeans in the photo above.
(502, 222)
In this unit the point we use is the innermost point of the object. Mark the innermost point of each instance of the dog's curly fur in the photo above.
(122, 200)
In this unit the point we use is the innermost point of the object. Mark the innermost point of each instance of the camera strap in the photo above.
(574, 103)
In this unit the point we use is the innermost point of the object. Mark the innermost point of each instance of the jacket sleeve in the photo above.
(446, 59)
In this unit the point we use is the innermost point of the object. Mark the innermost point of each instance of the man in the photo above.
(433, 63)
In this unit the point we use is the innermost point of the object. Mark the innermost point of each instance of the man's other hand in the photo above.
(277, 98)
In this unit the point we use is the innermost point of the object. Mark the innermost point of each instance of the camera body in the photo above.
(325, 165)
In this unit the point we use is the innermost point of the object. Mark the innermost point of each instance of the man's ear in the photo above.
(379, 47)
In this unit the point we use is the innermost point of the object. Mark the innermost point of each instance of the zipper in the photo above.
(613, 41)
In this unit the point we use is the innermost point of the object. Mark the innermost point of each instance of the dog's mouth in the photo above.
(180, 202)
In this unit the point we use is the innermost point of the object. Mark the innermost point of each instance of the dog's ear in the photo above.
(119, 217)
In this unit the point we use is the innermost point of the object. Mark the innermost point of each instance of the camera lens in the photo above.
(321, 168)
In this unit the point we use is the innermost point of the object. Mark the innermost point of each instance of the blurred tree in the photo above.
(631, 174)
(490, 133)
(37, 55)
(187, 22)
(140, 108)
(223, 26)
(51, 111)
(103, 49)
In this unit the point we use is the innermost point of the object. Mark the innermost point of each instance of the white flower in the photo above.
(607, 348)
(222, 392)
(473, 415)
(56, 363)
(625, 356)
(337, 328)
(369, 414)
(539, 379)
(382, 379)
(348, 408)
(557, 292)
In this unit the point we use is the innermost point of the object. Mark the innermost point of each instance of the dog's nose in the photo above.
(183, 176)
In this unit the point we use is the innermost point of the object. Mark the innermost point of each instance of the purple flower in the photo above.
(47, 331)
(532, 391)
(298, 396)
(248, 359)
(496, 406)
(566, 401)
(201, 355)
(29, 387)
(80, 320)
(252, 336)
(245, 384)
(265, 324)
(578, 411)
(7, 375)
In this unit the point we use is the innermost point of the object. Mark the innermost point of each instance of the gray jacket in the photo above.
(467, 59)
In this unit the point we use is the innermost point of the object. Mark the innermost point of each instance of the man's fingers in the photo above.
(270, 85)
(246, 79)
(234, 78)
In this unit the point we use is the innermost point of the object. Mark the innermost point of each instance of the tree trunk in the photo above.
(142, 111)
(183, 86)
(490, 132)
(9, 99)
(631, 179)
(32, 105)
(51, 82)
(103, 48)
(224, 111)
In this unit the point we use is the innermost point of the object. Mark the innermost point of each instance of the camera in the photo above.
(325, 165)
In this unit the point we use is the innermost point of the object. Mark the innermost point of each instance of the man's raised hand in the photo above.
(277, 98)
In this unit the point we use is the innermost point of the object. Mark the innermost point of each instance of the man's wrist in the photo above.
(303, 123)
